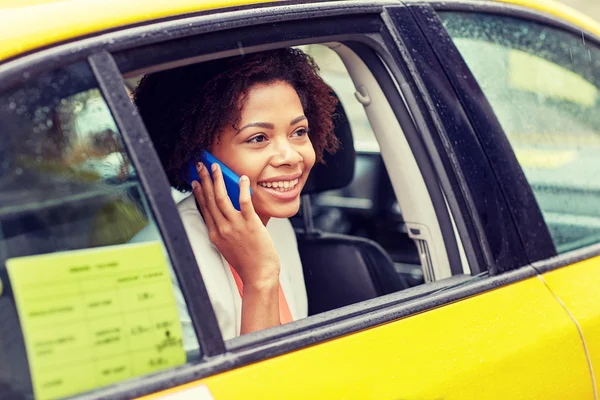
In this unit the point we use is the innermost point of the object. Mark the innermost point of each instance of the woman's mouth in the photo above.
(283, 189)
(281, 186)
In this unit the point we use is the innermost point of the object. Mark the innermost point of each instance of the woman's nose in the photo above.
(286, 154)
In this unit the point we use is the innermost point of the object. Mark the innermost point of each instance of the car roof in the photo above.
(26, 25)
(29, 24)
(560, 10)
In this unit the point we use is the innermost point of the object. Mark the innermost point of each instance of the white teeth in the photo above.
(281, 186)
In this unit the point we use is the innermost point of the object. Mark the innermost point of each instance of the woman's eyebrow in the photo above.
(268, 125)
(297, 119)
(264, 125)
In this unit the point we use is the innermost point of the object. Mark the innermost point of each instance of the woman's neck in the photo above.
(264, 220)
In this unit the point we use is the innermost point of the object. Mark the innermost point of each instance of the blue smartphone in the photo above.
(232, 181)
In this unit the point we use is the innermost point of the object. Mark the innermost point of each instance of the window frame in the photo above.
(106, 51)
(524, 211)
(492, 228)
(158, 195)
(538, 243)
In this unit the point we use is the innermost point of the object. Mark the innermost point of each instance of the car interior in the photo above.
(341, 267)
(398, 212)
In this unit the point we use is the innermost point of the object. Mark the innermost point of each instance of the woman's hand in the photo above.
(245, 243)
(240, 236)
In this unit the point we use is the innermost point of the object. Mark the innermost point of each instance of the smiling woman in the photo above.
(266, 116)
(272, 147)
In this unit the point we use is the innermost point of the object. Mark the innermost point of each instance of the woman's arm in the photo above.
(242, 238)
(260, 307)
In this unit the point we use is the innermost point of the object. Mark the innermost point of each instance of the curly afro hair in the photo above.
(185, 108)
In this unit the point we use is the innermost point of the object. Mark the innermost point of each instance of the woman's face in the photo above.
(272, 147)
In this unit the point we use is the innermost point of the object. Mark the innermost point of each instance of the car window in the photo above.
(543, 84)
(70, 205)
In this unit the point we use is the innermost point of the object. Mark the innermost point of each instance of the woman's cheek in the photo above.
(309, 157)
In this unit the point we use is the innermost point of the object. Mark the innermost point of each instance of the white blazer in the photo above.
(219, 280)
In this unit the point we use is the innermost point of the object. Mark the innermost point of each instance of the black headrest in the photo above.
(338, 170)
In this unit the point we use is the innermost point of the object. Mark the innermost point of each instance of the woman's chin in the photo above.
(287, 210)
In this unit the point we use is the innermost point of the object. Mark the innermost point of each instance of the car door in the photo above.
(498, 332)
(539, 76)
(523, 336)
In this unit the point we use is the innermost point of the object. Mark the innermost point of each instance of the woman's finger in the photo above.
(199, 194)
(209, 196)
(221, 197)
(246, 206)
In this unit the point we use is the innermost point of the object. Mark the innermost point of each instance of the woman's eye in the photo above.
(300, 132)
(257, 139)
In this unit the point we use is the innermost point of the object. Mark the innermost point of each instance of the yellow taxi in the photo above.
(451, 250)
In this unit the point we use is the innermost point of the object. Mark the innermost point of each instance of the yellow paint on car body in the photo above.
(27, 25)
(559, 10)
(578, 287)
(515, 342)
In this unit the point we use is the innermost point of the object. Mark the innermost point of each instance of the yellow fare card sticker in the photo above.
(94, 317)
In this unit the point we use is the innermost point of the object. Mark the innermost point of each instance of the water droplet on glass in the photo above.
(19, 171)
(12, 105)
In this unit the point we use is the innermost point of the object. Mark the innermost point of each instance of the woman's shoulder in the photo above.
(214, 268)
(192, 222)
(292, 275)
(187, 206)
(280, 229)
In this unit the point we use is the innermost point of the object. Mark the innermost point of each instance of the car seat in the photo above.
(340, 270)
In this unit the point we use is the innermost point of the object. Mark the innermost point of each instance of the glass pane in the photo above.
(70, 196)
(543, 85)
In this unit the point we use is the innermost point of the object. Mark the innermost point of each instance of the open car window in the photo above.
(356, 213)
